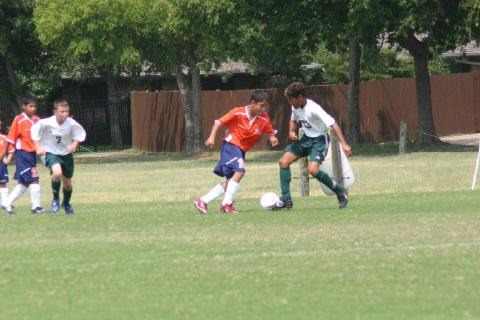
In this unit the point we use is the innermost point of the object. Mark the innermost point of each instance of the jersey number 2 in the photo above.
(59, 139)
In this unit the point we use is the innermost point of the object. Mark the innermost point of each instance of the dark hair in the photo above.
(295, 90)
(259, 96)
(29, 99)
(59, 102)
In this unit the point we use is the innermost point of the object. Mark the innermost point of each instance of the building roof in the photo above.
(471, 49)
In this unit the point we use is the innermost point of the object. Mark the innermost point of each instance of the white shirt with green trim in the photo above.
(315, 121)
(56, 138)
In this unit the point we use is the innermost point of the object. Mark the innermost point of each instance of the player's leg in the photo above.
(232, 188)
(67, 168)
(67, 195)
(286, 176)
(3, 183)
(56, 181)
(316, 157)
(25, 174)
(34, 185)
(201, 204)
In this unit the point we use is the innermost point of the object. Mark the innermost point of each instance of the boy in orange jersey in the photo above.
(245, 127)
(10, 149)
(25, 157)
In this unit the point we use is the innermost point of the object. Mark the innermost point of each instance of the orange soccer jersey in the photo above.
(243, 131)
(19, 133)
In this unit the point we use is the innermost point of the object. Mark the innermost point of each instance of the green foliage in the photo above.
(439, 24)
(36, 72)
(375, 64)
(93, 35)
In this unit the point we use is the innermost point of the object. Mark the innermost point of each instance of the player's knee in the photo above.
(283, 163)
(57, 175)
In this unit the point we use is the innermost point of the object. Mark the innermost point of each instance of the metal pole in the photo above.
(476, 169)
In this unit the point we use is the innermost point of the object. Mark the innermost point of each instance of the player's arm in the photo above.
(213, 133)
(338, 132)
(35, 133)
(3, 152)
(78, 135)
(8, 158)
(292, 127)
(271, 132)
(72, 148)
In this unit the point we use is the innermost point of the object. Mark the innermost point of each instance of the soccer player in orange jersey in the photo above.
(25, 157)
(245, 126)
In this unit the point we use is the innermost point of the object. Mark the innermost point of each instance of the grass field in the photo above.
(408, 247)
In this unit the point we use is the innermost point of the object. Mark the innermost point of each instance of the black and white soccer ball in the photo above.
(270, 201)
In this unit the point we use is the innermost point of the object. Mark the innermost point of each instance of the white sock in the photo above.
(216, 192)
(3, 195)
(35, 195)
(232, 188)
(14, 195)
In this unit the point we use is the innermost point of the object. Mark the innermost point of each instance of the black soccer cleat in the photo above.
(38, 210)
(286, 204)
(342, 197)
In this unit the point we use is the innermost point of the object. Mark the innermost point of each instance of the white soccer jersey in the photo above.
(55, 138)
(314, 119)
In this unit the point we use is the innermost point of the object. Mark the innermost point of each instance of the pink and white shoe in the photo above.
(201, 206)
(228, 208)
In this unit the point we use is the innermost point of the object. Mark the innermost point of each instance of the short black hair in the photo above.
(28, 99)
(259, 96)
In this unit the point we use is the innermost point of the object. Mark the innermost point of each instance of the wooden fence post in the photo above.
(303, 177)
(402, 144)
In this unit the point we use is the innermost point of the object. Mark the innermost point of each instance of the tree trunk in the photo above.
(426, 134)
(113, 112)
(16, 94)
(185, 88)
(353, 129)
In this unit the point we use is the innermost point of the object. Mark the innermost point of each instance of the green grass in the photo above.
(408, 247)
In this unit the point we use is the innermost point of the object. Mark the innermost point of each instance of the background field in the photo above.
(408, 247)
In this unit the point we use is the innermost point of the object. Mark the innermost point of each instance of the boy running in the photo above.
(314, 143)
(25, 157)
(245, 127)
(56, 138)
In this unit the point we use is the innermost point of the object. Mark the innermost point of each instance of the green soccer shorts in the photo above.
(315, 148)
(66, 162)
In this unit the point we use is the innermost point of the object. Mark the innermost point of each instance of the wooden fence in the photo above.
(158, 118)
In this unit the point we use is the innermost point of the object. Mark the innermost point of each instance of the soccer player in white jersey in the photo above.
(56, 139)
(314, 143)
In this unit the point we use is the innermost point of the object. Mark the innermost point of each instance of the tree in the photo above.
(24, 66)
(194, 36)
(425, 28)
(353, 26)
(94, 37)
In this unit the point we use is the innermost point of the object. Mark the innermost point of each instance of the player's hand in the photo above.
(209, 142)
(292, 135)
(41, 152)
(72, 148)
(347, 149)
(274, 141)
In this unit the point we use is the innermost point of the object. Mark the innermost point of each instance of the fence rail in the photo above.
(108, 125)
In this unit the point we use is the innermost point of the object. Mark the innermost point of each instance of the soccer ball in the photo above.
(270, 200)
